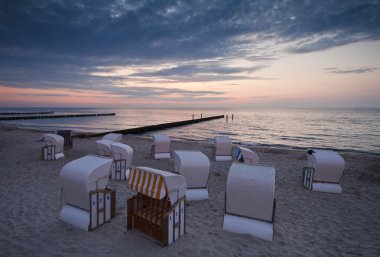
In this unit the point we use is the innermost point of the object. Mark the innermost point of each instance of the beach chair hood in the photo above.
(161, 143)
(223, 145)
(157, 183)
(56, 140)
(122, 151)
(328, 165)
(79, 177)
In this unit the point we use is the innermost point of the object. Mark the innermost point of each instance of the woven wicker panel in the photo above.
(194, 166)
(328, 166)
(223, 145)
(250, 191)
(161, 143)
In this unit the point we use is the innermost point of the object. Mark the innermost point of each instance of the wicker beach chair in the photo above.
(104, 147)
(115, 137)
(250, 203)
(158, 209)
(324, 172)
(195, 167)
(246, 155)
(53, 149)
(122, 161)
(68, 140)
(86, 202)
(222, 148)
(160, 147)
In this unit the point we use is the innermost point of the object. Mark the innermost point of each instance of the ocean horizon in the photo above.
(342, 129)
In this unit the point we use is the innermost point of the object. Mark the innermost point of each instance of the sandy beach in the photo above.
(306, 223)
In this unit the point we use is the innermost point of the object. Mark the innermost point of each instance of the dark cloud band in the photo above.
(47, 44)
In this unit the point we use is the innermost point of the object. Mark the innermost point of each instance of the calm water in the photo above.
(342, 129)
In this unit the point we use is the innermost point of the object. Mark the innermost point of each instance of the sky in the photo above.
(194, 53)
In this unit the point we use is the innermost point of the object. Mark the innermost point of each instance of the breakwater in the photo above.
(153, 127)
(24, 113)
(56, 116)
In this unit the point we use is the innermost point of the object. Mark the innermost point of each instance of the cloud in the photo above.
(109, 31)
(157, 92)
(47, 44)
(126, 91)
(196, 99)
(261, 97)
(351, 70)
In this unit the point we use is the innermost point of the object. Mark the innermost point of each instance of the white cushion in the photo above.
(162, 156)
(242, 225)
(223, 158)
(196, 194)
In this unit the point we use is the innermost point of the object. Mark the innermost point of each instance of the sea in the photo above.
(351, 130)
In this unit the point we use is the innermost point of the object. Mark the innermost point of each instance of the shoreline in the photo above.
(76, 133)
(306, 222)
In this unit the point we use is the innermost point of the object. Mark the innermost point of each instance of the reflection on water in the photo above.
(344, 129)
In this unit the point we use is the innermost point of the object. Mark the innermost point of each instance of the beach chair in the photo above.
(104, 147)
(122, 161)
(195, 167)
(158, 209)
(324, 172)
(68, 140)
(243, 154)
(160, 147)
(222, 148)
(53, 149)
(86, 202)
(250, 203)
(115, 137)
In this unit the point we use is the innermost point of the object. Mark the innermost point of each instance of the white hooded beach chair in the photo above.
(250, 203)
(195, 167)
(122, 161)
(104, 147)
(53, 149)
(324, 172)
(115, 137)
(222, 148)
(158, 209)
(246, 155)
(86, 203)
(160, 147)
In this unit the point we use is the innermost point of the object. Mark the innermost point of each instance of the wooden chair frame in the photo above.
(151, 216)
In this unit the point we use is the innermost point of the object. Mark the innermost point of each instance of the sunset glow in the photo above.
(276, 58)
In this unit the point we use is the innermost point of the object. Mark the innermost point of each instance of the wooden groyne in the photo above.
(24, 113)
(56, 116)
(154, 127)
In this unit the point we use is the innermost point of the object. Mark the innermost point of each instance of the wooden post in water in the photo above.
(232, 117)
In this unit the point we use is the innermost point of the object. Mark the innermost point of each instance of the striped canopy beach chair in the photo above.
(158, 209)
